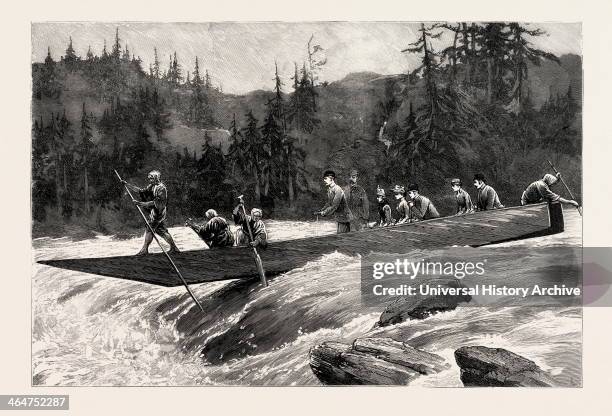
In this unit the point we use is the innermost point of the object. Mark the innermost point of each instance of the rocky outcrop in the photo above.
(422, 306)
(380, 361)
(497, 367)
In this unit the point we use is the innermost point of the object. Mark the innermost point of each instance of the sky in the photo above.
(240, 56)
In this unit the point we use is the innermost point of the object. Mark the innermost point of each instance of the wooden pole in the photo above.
(579, 208)
(258, 262)
(162, 247)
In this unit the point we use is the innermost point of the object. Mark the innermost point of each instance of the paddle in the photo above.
(258, 262)
(579, 208)
(162, 247)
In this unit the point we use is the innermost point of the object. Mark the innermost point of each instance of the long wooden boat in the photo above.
(198, 266)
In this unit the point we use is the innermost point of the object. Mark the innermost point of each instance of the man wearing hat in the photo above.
(358, 203)
(215, 233)
(258, 228)
(336, 203)
(487, 198)
(384, 209)
(154, 199)
(539, 191)
(464, 201)
(421, 208)
(403, 209)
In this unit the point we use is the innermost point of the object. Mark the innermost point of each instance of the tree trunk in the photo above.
(489, 80)
(257, 187)
(65, 179)
(99, 218)
(468, 53)
(266, 189)
(86, 191)
(290, 189)
(454, 57)
(58, 185)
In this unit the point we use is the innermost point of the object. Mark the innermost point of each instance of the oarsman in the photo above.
(256, 224)
(403, 209)
(539, 191)
(421, 208)
(487, 198)
(215, 232)
(464, 201)
(336, 203)
(154, 198)
(358, 203)
(384, 208)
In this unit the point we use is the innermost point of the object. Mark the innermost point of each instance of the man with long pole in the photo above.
(150, 230)
(154, 198)
(578, 206)
(259, 238)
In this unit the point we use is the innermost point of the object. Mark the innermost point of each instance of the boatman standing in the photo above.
(154, 198)
(336, 203)
(384, 208)
(539, 191)
(403, 209)
(487, 198)
(464, 201)
(215, 233)
(254, 221)
(421, 207)
(357, 202)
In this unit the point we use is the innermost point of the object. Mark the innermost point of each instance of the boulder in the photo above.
(378, 361)
(421, 306)
(497, 367)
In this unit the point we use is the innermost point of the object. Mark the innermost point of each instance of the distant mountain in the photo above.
(552, 79)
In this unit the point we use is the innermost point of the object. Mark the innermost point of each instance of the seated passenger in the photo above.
(258, 228)
(215, 232)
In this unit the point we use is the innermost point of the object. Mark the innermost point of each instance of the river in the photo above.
(89, 330)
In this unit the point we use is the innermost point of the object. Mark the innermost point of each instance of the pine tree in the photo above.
(303, 107)
(156, 73)
(272, 149)
(48, 83)
(200, 112)
(104, 52)
(177, 75)
(70, 56)
(90, 55)
(84, 155)
(236, 155)
(49, 59)
(126, 54)
(207, 84)
(116, 53)
(522, 53)
(495, 40)
(254, 152)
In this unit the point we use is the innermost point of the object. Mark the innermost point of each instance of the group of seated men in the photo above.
(216, 232)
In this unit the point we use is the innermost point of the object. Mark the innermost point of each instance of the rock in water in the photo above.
(380, 361)
(497, 367)
(397, 352)
(422, 306)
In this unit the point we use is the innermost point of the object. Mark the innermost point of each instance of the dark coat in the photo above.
(337, 205)
(357, 201)
(487, 199)
(423, 209)
(216, 233)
